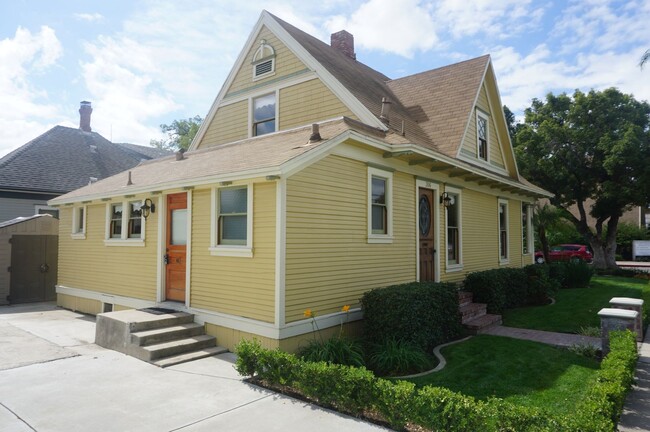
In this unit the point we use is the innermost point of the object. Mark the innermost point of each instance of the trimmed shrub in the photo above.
(557, 272)
(338, 349)
(540, 285)
(395, 401)
(577, 274)
(423, 314)
(395, 357)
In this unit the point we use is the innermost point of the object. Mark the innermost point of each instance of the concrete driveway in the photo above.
(54, 378)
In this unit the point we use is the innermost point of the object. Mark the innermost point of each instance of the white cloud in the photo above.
(25, 108)
(90, 17)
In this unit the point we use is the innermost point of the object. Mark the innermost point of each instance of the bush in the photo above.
(423, 314)
(540, 285)
(337, 349)
(577, 274)
(397, 357)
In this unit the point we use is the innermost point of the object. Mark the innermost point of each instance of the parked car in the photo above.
(566, 252)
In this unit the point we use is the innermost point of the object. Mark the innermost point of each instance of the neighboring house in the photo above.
(268, 215)
(59, 161)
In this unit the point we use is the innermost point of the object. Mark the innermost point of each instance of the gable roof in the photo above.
(63, 159)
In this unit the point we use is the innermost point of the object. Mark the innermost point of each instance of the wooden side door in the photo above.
(34, 261)
(426, 235)
(176, 247)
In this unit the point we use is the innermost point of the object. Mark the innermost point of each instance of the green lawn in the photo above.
(578, 307)
(522, 372)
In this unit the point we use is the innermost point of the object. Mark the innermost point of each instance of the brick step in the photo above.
(477, 325)
(185, 357)
(471, 311)
(150, 337)
(464, 297)
(166, 349)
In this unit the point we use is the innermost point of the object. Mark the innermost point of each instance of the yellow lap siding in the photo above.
(235, 285)
(90, 264)
(309, 102)
(230, 123)
(329, 262)
(286, 63)
(470, 143)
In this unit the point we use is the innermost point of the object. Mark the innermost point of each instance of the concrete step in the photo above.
(175, 347)
(150, 337)
(477, 325)
(464, 297)
(159, 321)
(194, 355)
(471, 311)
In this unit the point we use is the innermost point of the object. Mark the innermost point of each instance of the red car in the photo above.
(566, 252)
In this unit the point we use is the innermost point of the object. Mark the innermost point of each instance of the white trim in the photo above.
(504, 202)
(257, 61)
(280, 251)
(435, 214)
(455, 267)
(188, 248)
(124, 240)
(215, 248)
(251, 107)
(161, 278)
(81, 234)
(529, 227)
(496, 129)
(388, 177)
(481, 115)
(255, 91)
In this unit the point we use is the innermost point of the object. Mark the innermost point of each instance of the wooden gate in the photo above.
(34, 262)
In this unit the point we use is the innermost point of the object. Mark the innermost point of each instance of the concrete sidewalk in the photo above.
(551, 338)
(54, 378)
(636, 412)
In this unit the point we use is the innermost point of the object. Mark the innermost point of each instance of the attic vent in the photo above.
(263, 60)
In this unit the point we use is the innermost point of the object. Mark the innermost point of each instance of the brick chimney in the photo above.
(344, 42)
(84, 116)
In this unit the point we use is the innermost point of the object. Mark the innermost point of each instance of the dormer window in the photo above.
(482, 136)
(263, 61)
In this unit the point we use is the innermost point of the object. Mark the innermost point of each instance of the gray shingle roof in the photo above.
(63, 159)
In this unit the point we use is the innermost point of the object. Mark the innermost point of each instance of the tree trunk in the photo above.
(544, 242)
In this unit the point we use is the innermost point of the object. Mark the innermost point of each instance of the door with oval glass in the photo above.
(175, 248)
(426, 233)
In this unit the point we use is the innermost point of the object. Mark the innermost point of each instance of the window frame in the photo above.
(386, 237)
(79, 232)
(251, 117)
(480, 115)
(503, 204)
(124, 239)
(458, 265)
(217, 249)
(259, 58)
(527, 244)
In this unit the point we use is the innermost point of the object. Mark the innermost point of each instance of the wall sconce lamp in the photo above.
(147, 208)
(446, 200)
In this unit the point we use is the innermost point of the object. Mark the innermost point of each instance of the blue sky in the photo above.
(143, 63)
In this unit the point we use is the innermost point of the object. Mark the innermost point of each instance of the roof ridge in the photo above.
(449, 66)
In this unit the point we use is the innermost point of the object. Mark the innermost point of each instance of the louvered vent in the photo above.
(264, 67)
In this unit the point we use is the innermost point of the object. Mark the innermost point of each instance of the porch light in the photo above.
(445, 199)
(147, 208)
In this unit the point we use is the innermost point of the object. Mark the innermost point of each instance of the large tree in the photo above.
(180, 134)
(592, 151)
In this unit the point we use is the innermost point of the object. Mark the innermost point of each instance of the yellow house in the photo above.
(313, 179)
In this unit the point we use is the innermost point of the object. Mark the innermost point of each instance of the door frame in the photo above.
(435, 213)
(161, 209)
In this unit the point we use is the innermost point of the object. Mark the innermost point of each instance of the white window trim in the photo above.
(78, 235)
(388, 176)
(505, 202)
(480, 114)
(123, 240)
(455, 267)
(250, 110)
(245, 251)
(529, 226)
(261, 59)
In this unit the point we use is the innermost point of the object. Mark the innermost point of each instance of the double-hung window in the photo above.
(125, 223)
(454, 230)
(503, 231)
(232, 221)
(263, 114)
(79, 222)
(380, 212)
(526, 228)
(482, 134)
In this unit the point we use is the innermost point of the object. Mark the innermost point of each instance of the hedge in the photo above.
(358, 392)
(571, 274)
(424, 314)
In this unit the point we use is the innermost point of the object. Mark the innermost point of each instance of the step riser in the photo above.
(473, 315)
(478, 329)
(167, 336)
(171, 361)
(162, 322)
(178, 349)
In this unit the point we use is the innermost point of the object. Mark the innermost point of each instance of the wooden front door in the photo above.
(426, 216)
(175, 248)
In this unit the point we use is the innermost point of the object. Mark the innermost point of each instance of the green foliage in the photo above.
(506, 288)
(424, 314)
(338, 349)
(274, 366)
(625, 235)
(395, 401)
(180, 134)
(571, 274)
(589, 148)
(585, 350)
(396, 357)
